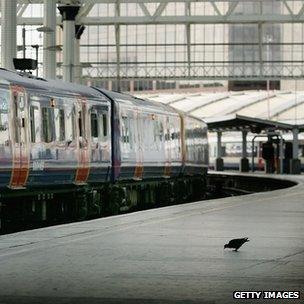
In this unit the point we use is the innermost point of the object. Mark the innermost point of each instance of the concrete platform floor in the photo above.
(167, 255)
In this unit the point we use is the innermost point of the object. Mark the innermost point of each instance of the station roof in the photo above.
(240, 110)
(235, 122)
(301, 128)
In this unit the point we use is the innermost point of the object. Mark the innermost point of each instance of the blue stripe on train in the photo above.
(127, 172)
(51, 177)
(66, 176)
(5, 177)
(99, 175)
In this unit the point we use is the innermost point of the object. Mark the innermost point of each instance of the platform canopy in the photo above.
(235, 122)
(300, 127)
(284, 107)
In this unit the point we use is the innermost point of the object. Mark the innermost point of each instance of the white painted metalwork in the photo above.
(250, 103)
(295, 143)
(49, 40)
(200, 70)
(244, 144)
(68, 50)
(117, 42)
(116, 63)
(219, 144)
(8, 33)
(77, 63)
(219, 16)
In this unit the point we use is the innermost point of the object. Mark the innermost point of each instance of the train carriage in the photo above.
(47, 133)
(196, 145)
(146, 138)
(72, 152)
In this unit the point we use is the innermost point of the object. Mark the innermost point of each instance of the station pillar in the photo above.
(79, 29)
(154, 85)
(295, 163)
(49, 39)
(219, 162)
(244, 162)
(132, 86)
(68, 13)
(8, 33)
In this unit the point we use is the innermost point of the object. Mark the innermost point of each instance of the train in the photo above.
(72, 152)
(232, 151)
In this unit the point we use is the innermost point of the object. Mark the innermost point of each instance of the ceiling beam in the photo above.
(301, 12)
(233, 19)
(144, 9)
(288, 7)
(147, 1)
(231, 8)
(161, 7)
(21, 9)
(85, 9)
(215, 8)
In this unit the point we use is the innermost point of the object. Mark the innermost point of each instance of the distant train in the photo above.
(232, 152)
(73, 152)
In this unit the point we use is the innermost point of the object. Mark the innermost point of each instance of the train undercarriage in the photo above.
(32, 208)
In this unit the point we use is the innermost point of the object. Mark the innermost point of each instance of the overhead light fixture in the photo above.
(45, 29)
(86, 64)
(54, 48)
(25, 64)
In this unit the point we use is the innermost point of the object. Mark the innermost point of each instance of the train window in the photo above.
(3, 119)
(155, 130)
(80, 123)
(131, 131)
(47, 124)
(145, 127)
(150, 142)
(161, 131)
(59, 124)
(94, 125)
(125, 129)
(167, 135)
(16, 118)
(105, 125)
(70, 124)
(62, 125)
(99, 125)
(32, 124)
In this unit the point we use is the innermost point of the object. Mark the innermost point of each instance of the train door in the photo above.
(20, 138)
(167, 171)
(139, 149)
(83, 168)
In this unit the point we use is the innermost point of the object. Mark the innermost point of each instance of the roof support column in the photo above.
(188, 36)
(154, 85)
(295, 163)
(219, 162)
(117, 42)
(78, 67)
(244, 163)
(8, 33)
(49, 40)
(69, 13)
(260, 29)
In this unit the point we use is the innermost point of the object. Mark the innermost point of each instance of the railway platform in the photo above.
(168, 255)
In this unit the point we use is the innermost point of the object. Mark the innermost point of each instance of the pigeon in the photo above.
(236, 243)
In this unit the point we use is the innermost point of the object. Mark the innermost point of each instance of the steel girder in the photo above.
(220, 15)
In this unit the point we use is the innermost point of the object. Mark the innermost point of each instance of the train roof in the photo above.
(28, 81)
(138, 102)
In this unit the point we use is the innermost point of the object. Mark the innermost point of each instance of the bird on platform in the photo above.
(236, 243)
